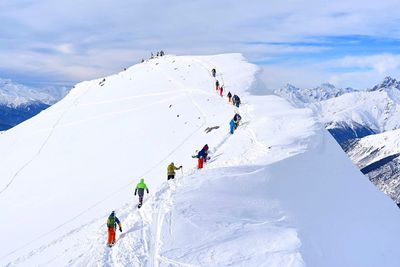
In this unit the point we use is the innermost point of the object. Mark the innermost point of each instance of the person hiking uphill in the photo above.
(221, 90)
(214, 72)
(236, 119)
(112, 222)
(171, 170)
(229, 95)
(202, 156)
(236, 100)
(231, 126)
(140, 187)
(216, 85)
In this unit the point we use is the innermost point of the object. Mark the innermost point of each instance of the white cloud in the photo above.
(73, 38)
(65, 48)
(362, 72)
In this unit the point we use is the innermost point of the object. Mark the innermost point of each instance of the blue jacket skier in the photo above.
(203, 153)
(236, 100)
(232, 126)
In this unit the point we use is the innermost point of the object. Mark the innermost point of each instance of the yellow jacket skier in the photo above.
(171, 170)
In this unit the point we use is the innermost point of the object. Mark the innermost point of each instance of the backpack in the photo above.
(111, 222)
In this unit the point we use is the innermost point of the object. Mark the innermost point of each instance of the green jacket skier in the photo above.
(140, 188)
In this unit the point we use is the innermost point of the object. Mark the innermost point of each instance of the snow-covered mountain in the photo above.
(19, 102)
(11, 116)
(278, 192)
(364, 123)
(378, 157)
(302, 97)
(348, 113)
(387, 83)
(358, 114)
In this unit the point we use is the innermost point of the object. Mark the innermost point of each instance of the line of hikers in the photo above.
(202, 156)
(235, 99)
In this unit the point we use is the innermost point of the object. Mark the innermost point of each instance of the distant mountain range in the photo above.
(19, 102)
(364, 122)
(301, 97)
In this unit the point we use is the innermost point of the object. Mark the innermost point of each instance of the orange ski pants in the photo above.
(111, 236)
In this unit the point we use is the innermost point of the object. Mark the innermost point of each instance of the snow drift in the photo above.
(278, 192)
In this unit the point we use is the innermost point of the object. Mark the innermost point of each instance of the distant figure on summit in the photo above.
(112, 223)
(171, 170)
(140, 187)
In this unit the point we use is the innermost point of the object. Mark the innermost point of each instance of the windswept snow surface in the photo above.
(278, 192)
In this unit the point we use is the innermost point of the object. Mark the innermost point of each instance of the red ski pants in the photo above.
(111, 236)
(200, 163)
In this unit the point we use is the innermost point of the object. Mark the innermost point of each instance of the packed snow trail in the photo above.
(278, 192)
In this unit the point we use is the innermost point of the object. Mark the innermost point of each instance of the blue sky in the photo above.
(349, 43)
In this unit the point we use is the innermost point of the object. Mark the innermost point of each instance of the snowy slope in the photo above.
(375, 147)
(84, 155)
(279, 192)
(378, 157)
(356, 115)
